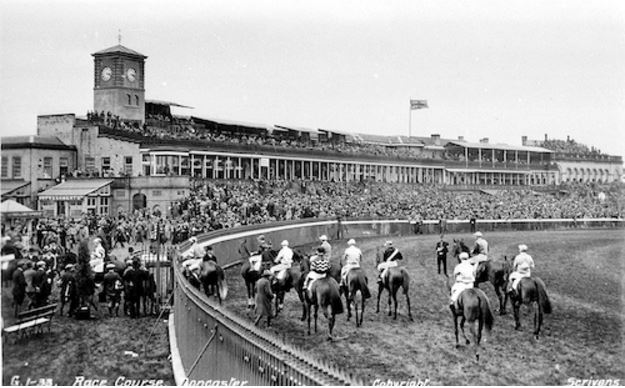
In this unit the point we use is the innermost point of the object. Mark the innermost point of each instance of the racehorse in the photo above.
(324, 293)
(531, 290)
(473, 306)
(458, 248)
(304, 269)
(495, 272)
(213, 280)
(291, 280)
(395, 278)
(356, 285)
(250, 275)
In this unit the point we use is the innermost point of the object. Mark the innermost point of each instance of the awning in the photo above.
(10, 186)
(167, 103)
(73, 190)
(12, 209)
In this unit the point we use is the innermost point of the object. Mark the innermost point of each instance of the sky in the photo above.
(496, 69)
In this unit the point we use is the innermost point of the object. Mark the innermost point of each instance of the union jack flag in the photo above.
(418, 104)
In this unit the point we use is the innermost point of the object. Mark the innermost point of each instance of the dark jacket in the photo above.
(19, 286)
(264, 296)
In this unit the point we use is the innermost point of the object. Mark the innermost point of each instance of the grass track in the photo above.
(584, 338)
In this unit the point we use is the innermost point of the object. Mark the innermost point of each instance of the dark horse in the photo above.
(291, 280)
(395, 278)
(473, 306)
(250, 275)
(458, 248)
(324, 293)
(531, 290)
(304, 269)
(356, 284)
(495, 272)
(213, 280)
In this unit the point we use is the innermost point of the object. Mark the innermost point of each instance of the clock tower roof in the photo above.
(119, 49)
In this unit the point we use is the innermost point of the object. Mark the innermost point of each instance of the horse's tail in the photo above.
(543, 298)
(486, 311)
(406, 280)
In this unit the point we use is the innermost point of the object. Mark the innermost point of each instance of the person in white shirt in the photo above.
(284, 260)
(351, 259)
(522, 267)
(463, 278)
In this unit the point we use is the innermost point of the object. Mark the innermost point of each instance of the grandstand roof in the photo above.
(167, 103)
(119, 49)
(504, 147)
(41, 142)
(233, 123)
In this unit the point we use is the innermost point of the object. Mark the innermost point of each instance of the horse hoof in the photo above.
(458, 346)
(410, 317)
(468, 342)
(518, 328)
(502, 312)
(330, 338)
(477, 358)
(536, 337)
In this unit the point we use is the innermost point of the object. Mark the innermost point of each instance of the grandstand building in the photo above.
(150, 153)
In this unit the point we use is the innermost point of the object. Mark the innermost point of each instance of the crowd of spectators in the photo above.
(571, 147)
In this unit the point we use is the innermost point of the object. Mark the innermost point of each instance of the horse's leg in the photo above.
(453, 313)
(307, 307)
(462, 321)
(408, 302)
(390, 298)
(516, 305)
(330, 317)
(380, 289)
(349, 307)
(477, 336)
(395, 301)
(502, 308)
(362, 309)
(538, 320)
(316, 316)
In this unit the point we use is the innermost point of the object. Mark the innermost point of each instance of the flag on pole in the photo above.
(418, 104)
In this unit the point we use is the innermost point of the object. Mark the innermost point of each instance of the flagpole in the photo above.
(409, 120)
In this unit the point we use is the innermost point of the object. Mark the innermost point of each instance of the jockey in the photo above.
(97, 256)
(197, 252)
(391, 257)
(326, 246)
(319, 266)
(284, 260)
(480, 250)
(351, 259)
(463, 278)
(522, 266)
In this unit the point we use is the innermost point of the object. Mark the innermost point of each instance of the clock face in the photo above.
(106, 74)
(131, 74)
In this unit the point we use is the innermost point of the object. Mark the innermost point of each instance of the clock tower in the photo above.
(119, 83)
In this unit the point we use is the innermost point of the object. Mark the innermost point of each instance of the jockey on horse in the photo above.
(284, 261)
(464, 277)
(479, 252)
(351, 259)
(391, 256)
(256, 256)
(319, 266)
(522, 266)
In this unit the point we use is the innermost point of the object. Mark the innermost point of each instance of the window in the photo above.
(5, 167)
(128, 165)
(89, 164)
(63, 165)
(91, 201)
(47, 167)
(157, 193)
(17, 167)
(104, 205)
(106, 164)
(136, 100)
(129, 99)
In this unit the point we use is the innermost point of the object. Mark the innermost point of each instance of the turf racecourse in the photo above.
(583, 338)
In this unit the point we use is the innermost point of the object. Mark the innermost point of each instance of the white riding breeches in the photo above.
(457, 288)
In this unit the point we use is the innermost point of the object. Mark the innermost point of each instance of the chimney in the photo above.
(436, 138)
(461, 138)
(484, 140)
(546, 137)
(568, 138)
(524, 140)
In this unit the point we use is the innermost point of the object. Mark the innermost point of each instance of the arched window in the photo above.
(136, 100)
(129, 99)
